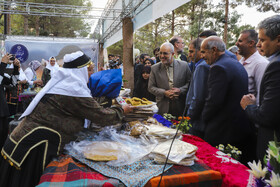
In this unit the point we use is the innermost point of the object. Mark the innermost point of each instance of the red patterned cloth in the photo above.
(68, 172)
(233, 172)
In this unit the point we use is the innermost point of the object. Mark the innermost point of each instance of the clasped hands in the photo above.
(248, 99)
(172, 93)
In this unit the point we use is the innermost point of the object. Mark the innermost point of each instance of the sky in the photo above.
(250, 15)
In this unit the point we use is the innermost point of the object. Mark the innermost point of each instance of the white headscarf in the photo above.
(54, 68)
(66, 81)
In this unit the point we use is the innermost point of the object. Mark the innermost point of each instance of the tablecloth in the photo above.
(233, 172)
(69, 172)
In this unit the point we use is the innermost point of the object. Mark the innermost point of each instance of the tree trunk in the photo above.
(9, 21)
(192, 17)
(128, 53)
(25, 25)
(173, 23)
(100, 57)
(37, 26)
(226, 22)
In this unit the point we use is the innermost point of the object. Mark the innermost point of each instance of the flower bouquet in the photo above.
(269, 175)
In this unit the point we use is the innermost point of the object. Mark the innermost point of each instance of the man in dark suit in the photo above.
(169, 81)
(226, 122)
(267, 114)
(198, 89)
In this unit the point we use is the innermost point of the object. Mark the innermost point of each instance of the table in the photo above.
(211, 169)
(68, 172)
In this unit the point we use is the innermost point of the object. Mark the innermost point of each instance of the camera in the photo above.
(13, 57)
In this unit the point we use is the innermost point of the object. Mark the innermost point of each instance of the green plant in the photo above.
(230, 150)
(185, 125)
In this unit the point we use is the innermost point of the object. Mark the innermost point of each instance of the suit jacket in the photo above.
(197, 94)
(184, 58)
(226, 122)
(267, 115)
(158, 84)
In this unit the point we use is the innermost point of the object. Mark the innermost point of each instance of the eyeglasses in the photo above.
(164, 53)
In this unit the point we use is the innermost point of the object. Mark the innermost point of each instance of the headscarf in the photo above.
(71, 80)
(34, 65)
(53, 68)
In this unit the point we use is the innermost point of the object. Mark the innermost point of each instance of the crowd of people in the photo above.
(231, 97)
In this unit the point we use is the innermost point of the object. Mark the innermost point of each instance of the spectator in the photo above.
(148, 62)
(169, 81)
(198, 89)
(141, 87)
(139, 67)
(31, 75)
(234, 50)
(207, 33)
(49, 70)
(111, 57)
(252, 61)
(226, 122)
(179, 45)
(4, 109)
(266, 115)
(156, 53)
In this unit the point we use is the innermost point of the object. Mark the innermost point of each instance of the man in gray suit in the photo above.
(169, 81)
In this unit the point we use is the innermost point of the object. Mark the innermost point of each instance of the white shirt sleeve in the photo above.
(28, 73)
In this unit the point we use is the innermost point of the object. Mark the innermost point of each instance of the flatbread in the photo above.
(100, 158)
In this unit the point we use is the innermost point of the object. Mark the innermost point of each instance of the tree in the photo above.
(57, 26)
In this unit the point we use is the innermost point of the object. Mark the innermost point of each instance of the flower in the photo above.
(184, 124)
(257, 170)
(162, 120)
(274, 180)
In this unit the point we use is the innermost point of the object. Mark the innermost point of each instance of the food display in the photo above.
(135, 101)
(103, 150)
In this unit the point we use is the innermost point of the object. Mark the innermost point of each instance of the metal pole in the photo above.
(5, 21)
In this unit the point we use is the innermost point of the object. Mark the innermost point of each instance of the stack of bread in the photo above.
(143, 108)
(182, 153)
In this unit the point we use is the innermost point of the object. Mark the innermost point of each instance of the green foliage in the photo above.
(184, 126)
(186, 24)
(58, 26)
(116, 49)
(168, 117)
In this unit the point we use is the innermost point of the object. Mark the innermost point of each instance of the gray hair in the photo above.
(233, 49)
(170, 45)
(216, 43)
(271, 25)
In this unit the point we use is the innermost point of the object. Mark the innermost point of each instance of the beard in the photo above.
(166, 61)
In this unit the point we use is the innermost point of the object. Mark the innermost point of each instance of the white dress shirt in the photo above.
(255, 66)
